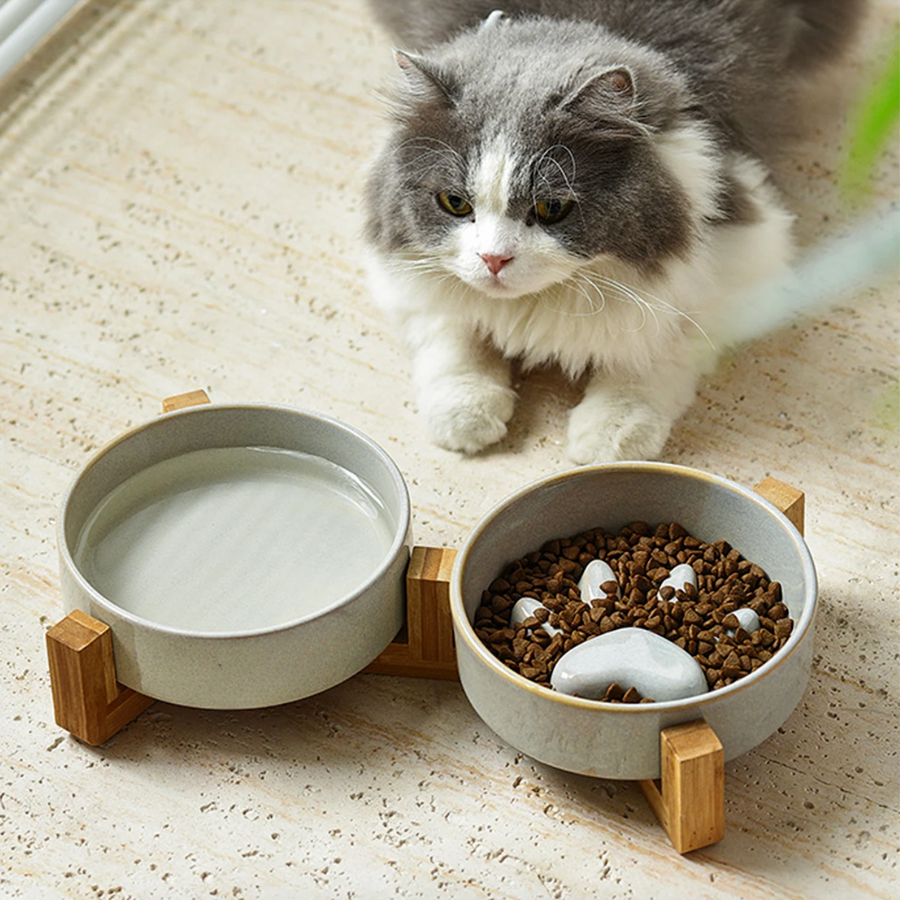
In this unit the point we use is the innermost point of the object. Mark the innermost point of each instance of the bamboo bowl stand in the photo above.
(688, 799)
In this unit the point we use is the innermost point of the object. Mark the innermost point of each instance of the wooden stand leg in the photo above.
(183, 401)
(426, 650)
(87, 699)
(690, 802)
(786, 498)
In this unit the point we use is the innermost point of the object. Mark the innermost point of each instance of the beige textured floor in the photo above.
(179, 192)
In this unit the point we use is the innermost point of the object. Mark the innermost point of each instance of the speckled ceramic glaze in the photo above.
(618, 740)
(318, 642)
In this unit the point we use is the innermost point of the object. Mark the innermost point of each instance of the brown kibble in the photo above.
(691, 617)
(631, 696)
(555, 645)
(765, 636)
(783, 628)
(502, 635)
(694, 618)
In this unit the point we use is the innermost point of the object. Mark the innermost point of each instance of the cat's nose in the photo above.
(495, 262)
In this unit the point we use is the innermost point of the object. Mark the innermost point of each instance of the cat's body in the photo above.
(587, 188)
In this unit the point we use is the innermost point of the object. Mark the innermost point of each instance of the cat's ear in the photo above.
(496, 18)
(610, 91)
(423, 78)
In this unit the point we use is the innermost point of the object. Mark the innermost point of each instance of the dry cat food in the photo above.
(730, 622)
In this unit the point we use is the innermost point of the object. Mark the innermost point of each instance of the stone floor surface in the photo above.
(179, 192)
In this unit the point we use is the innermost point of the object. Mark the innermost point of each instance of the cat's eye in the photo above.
(552, 211)
(454, 204)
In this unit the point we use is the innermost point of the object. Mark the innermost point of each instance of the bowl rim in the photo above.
(464, 629)
(400, 539)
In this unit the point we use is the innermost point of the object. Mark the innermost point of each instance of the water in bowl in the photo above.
(234, 539)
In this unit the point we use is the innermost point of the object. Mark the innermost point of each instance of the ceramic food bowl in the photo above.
(622, 740)
(243, 556)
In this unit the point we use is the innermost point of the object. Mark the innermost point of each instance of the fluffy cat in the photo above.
(583, 183)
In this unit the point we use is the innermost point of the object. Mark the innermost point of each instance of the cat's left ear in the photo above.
(612, 90)
(425, 80)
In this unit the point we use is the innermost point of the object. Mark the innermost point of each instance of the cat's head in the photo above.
(522, 151)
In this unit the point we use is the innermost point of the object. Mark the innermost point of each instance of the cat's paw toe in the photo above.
(468, 414)
(616, 428)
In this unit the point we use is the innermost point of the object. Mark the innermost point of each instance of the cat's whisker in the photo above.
(674, 310)
(568, 178)
(633, 296)
(658, 305)
(443, 146)
(573, 282)
(597, 289)
(447, 157)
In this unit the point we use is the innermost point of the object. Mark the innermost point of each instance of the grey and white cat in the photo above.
(583, 182)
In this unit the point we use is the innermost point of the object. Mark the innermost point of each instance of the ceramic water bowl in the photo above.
(616, 740)
(243, 556)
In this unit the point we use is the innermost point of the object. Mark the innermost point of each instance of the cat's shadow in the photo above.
(545, 397)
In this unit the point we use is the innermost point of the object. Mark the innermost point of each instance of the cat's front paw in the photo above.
(467, 413)
(611, 427)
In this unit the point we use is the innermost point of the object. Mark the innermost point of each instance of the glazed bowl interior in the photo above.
(594, 737)
(207, 533)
